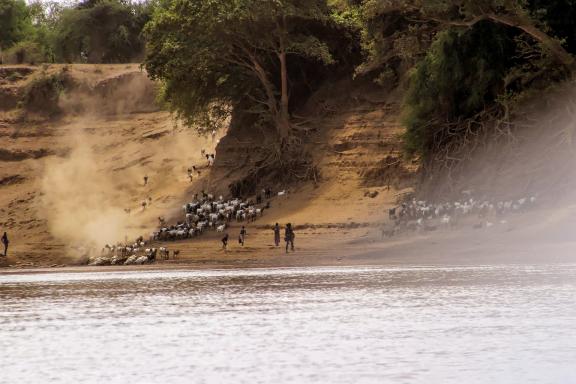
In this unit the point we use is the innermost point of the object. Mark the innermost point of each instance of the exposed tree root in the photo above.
(279, 166)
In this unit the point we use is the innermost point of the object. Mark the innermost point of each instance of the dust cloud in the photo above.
(93, 196)
(81, 202)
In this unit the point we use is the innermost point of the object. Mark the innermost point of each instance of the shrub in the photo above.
(43, 93)
(25, 52)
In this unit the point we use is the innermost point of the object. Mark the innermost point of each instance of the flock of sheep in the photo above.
(422, 215)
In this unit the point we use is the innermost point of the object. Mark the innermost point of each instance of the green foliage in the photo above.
(103, 31)
(483, 49)
(91, 31)
(15, 22)
(462, 73)
(43, 92)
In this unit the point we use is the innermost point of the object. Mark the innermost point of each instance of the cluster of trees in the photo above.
(467, 57)
(459, 56)
(94, 31)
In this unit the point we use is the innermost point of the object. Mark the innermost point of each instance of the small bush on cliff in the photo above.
(25, 52)
(43, 93)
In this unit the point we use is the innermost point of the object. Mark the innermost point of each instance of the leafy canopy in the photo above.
(101, 31)
(212, 54)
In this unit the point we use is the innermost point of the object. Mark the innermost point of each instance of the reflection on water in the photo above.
(505, 324)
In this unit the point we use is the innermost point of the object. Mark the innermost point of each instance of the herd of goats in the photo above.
(421, 215)
(206, 213)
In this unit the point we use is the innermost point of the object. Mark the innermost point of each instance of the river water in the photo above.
(486, 324)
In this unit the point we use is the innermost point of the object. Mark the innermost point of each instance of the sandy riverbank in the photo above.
(525, 239)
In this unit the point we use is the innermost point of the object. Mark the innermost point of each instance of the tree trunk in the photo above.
(283, 114)
(283, 120)
(283, 126)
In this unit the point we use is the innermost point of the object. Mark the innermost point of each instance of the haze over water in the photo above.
(486, 324)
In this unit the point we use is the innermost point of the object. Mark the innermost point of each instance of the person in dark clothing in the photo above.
(225, 242)
(242, 236)
(145, 180)
(5, 241)
(277, 235)
(289, 237)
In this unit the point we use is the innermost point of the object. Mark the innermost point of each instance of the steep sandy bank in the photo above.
(67, 180)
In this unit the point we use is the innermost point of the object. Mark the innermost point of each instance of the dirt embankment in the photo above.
(75, 177)
(68, 176)
(71, 177)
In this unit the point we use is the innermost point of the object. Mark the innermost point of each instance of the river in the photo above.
(413, 324)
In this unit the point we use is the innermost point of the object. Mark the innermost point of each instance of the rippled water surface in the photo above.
(465, 325)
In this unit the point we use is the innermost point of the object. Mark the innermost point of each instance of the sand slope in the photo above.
(68, 180)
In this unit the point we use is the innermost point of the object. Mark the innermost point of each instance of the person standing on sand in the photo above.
(289, 237)
(225, 242)
(242, 236)
(277, 235)
(5, 241)
(145, 180)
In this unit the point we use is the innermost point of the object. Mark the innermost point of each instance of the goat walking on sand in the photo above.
(423, 215)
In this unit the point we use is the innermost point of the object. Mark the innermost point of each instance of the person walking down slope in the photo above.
(242, 236)
(5, 242)
(277, 235)
(289, 237)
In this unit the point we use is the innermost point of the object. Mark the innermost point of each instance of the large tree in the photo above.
(101, 31)
(15, 22)
(215, 53)
(518, 14)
